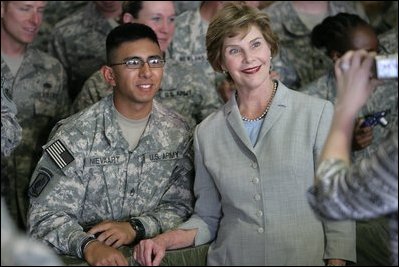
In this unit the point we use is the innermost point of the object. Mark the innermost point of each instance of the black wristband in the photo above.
(139, 228)
(84, 243)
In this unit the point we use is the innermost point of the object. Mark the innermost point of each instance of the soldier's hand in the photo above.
(99, 254)
(362, 137)
(114, 234)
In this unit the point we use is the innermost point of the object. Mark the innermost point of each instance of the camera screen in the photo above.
(387, 66)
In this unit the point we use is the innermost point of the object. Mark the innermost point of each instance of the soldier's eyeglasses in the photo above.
(138, 63)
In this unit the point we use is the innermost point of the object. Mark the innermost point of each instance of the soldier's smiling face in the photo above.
(21, 20)
(136, 85)
(160, 16)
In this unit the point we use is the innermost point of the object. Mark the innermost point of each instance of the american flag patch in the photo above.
(59, 154)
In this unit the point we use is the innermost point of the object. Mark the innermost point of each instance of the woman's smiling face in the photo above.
(247, 58)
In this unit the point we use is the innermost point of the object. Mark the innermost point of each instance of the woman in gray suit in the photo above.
(255, 158)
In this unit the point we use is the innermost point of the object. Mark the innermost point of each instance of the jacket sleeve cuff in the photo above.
(88, 239)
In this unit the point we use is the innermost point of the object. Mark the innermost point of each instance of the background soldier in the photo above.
(37, 85)
(78, 40)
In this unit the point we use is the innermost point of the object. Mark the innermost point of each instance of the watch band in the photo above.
(138, 226)
(85, 242)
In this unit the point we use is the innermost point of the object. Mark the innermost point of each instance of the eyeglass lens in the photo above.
(137, 62)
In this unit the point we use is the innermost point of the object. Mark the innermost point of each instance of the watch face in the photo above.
(139, 228)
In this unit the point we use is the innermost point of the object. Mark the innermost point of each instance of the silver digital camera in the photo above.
(386, 66)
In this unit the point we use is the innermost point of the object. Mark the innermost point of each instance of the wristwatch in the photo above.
(139, 228)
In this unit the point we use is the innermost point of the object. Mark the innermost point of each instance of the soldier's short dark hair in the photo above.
(132, 7)
(128, 32)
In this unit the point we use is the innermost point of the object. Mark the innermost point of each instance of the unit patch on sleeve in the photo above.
(59, 154)
(41, 180)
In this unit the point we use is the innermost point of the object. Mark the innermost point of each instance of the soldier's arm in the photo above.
(56, 195)
(177, 201)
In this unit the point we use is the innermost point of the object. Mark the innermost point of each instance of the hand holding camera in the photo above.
(354, 80)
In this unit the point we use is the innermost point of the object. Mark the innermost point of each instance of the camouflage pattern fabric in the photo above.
(40, 95)
(78, 42)
(384, 97)
(188, 44)
(383, 15)
(182, 6)
(372, 238)
(88, 175)
(92, 91)
(184, 89)
(10, 128)
(389, 41)
(310, 63)
(53, 13)
(285, 69)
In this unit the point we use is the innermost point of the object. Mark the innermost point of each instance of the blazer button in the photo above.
(260, 230)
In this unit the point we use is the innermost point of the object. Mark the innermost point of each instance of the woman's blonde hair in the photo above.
(234, 19)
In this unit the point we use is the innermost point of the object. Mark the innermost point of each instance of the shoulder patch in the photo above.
(41, 180)
(59, 154)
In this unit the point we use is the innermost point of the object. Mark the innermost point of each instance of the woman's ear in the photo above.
(108, 74)
(127, 17)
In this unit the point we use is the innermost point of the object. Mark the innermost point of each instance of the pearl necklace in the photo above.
(267, 107)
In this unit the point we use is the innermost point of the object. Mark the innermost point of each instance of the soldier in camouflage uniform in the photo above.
(16, 248)
(39, 92)
(331, 34)
(122, 169)
(183, 88)
(78, 41)
(310, 63)
(188, 45)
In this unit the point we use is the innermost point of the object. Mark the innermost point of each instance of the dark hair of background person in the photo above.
(334, 32)
(132, 7)
(129, 32)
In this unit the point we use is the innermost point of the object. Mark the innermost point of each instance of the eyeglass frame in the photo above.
(162, 60)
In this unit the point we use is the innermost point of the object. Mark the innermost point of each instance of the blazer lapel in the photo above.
(235, 124)
(277, 108)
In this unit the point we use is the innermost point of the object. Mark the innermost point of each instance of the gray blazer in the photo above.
(251, 201)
